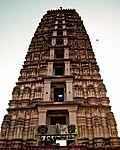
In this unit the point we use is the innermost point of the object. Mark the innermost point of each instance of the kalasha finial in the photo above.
(61, 8)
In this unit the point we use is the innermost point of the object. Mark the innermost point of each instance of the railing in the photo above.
(56, 129)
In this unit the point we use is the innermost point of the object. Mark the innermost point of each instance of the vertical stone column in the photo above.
(105, 128)
(65, 41)
(42, 117)
(66, 53)
(72, 118)
(64, 26)
(72, 115)
(52, 53)
(53, 41)
(50, 69)
(64, 32)
(15, 132)
(26, 132)
(90, 134)
(67, 67)
(69, 91)
(18, 130)
(47, 85)
(54, 33)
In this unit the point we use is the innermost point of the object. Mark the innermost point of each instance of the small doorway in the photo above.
(59, 53)
(57, 120)
(59, 69)
(58, 94)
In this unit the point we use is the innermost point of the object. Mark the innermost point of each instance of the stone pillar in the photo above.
(52, 53)
(66, 53)
(47, 85)
(64, 32)
(15, 133)
(18, 130)
(50, 69)
(64, 26)
(67, 68)
(54, 33)
(72, 115)
(63, 21)
(72, 118)
(26, 132)
(69, 91)
(53, 41)
(42, 117)
(65, 41)
(55, 27)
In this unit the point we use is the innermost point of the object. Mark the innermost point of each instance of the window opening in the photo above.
(60, 21)
(60, 26)
(59, 53)
(59, 32)
(59, 69)
(58, 94)
(59, 41)
(58, 120)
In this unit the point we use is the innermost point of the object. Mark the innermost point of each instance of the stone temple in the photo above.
(60, 95)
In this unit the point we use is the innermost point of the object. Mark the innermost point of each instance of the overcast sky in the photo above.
(19, 20)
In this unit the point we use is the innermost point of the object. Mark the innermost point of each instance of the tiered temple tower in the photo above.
(59, 94)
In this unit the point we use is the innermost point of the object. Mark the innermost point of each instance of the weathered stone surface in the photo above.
(59, 85)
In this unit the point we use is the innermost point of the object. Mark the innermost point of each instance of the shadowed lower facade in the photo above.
(59, 95)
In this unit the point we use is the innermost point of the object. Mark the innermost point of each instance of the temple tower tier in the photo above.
(59, 95)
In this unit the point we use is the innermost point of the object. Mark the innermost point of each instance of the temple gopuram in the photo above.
(60, 96)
